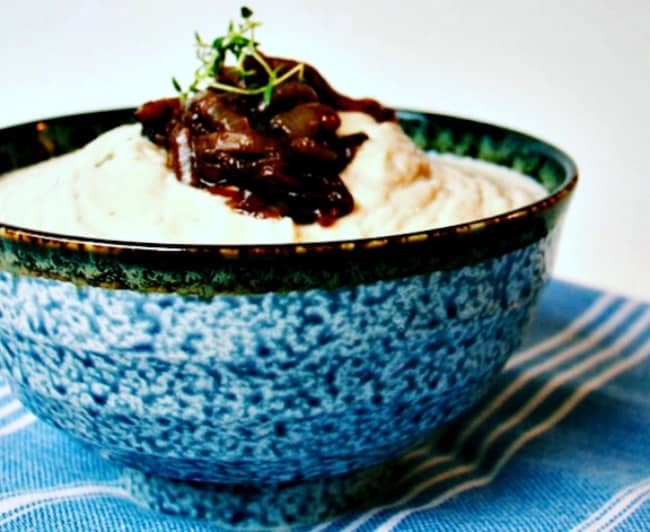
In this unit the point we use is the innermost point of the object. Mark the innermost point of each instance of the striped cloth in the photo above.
(562, 442)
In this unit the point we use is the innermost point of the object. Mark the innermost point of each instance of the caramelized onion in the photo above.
(277, 158)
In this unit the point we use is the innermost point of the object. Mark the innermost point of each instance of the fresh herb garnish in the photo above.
(239, 45)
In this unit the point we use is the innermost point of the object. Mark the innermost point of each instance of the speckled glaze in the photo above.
(273, 366)
(264, 387)
(253, 507)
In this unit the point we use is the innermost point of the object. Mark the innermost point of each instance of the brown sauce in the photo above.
(281, 158)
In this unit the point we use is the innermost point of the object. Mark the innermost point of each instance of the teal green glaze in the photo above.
(497, 145)
(30, 143)
(209, 270)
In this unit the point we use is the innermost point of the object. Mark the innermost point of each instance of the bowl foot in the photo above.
(262, 506)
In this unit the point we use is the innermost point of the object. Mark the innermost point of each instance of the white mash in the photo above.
(118, 188)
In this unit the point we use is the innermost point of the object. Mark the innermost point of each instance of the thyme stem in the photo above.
(239, 43)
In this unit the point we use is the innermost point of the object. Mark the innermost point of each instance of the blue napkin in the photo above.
(561, 442)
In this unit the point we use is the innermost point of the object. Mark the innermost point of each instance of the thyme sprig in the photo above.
(238, 44)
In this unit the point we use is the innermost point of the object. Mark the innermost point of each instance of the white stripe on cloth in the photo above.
(565, 409)
(616, 506)
(629, 511)
(621, 343)
(563, 378)
(527, 376)
(10, 408)
(13, 507)
(579, 323)
(20, 493)
(4, 390)
(18, 424)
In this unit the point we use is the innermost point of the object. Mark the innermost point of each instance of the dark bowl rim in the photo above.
(232, 251)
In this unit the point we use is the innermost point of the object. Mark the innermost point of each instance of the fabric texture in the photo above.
(561, 442)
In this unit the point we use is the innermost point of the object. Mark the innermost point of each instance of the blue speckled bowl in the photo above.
(270, 365)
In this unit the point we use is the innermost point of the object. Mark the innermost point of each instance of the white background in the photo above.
(575, 72)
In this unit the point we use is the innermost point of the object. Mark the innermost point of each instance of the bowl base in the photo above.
(255, 507)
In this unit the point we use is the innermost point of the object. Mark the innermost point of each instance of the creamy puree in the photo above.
(118, 188)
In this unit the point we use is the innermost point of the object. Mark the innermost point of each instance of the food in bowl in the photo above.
(119, 188)
(229, 164)
(269, 372)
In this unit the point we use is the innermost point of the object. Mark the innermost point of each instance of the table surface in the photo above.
(561, 441)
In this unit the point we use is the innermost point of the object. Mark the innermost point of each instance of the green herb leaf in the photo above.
(239, 44)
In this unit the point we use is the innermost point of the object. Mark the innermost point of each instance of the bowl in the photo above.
(291, 366)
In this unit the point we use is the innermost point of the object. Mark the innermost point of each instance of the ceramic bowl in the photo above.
(275, 364)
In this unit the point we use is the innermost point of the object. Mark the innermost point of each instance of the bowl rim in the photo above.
(20, 234)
